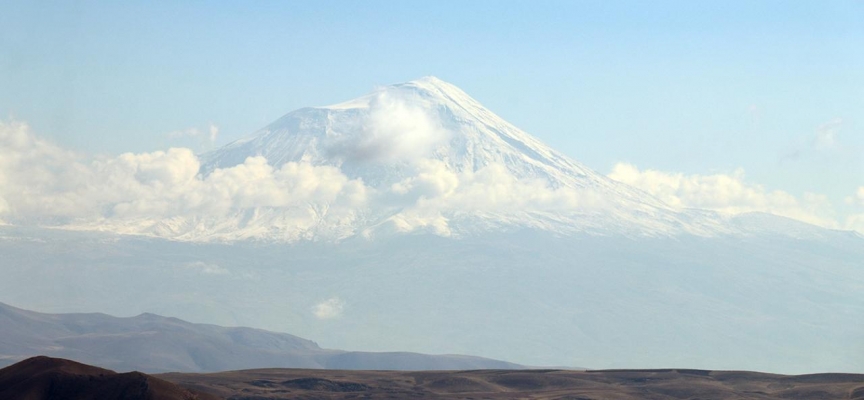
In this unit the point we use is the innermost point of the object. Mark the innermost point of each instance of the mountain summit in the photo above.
(379, 137)
(424, 155)
(391, 127)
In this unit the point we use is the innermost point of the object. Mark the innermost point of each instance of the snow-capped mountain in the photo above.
(426, 117)
(417, 157)
(430, 157)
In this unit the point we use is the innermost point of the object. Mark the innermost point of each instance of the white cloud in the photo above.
(435, 190)
(855, 222)
(44, 184)
(857, 198)
(394, 131)
(212, 133)
(727, 193)
(162, 193)
(329, 309)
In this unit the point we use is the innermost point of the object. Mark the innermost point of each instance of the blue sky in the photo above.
(775, 88)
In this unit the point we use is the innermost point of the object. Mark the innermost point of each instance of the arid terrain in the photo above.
(524, 384)
(47, 378)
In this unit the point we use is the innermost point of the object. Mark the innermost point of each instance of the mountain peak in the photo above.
(395, 126)
(427, 147)
(430, 79)
(427, 92)
(433, 84)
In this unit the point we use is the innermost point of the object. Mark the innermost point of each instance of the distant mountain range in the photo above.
(151, 343)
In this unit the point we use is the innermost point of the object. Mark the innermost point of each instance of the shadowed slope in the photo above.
(47, 378)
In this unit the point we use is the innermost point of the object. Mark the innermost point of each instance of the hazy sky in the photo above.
(771, 88)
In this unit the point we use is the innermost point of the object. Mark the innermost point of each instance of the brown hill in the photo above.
(670, 384)
(45, 378)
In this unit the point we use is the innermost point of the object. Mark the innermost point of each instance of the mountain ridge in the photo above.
(153, 343)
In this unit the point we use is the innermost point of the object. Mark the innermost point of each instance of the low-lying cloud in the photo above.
(163, 193)
(726, 193)
(435, 190)
(43, 183)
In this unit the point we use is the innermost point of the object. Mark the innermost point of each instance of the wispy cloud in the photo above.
(205, 137)
(826, 135)
(823, 144)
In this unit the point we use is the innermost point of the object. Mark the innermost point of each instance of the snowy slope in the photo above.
(428, 129)
(417, 157)
(474, 138)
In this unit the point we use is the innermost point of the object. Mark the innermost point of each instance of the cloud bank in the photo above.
(44, 184)
(726, 193)
(436, 191)
(163, 193)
